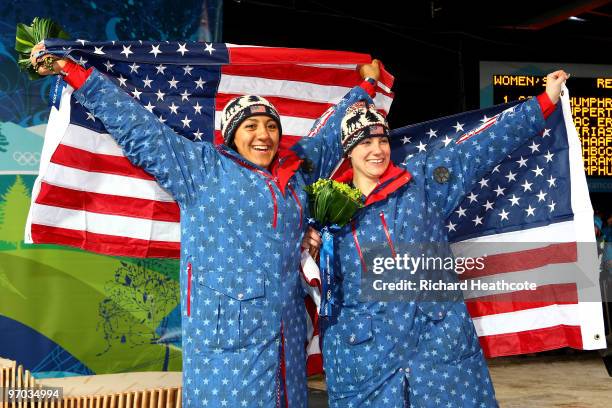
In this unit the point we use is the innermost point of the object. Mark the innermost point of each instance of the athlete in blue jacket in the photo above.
(414, 353)
(242, 218)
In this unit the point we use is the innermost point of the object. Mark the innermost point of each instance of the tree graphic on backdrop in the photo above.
(3, 142)
(14, 209)
(135, 311)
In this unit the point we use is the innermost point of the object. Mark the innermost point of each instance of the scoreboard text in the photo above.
(591, 102)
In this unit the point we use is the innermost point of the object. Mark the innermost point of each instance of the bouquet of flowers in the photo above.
(332, 202)
(332, 205)
(28, 36)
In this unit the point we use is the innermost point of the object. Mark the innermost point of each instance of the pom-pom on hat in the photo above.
(241, 108)
(361, 121)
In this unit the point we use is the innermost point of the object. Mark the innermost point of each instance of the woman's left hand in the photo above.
(371, 70)
(312, 242)
(554, 82)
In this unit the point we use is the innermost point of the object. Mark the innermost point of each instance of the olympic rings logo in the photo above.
(26, 158)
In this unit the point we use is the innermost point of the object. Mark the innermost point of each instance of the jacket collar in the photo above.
(392, 179)
(284, 165)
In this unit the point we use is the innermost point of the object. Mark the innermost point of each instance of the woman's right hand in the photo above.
(58, 64)
(312, 242)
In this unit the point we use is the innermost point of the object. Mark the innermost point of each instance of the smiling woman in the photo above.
(437, 357)
(370, 158)
(257, 139)
(251, 125)
(366, 144)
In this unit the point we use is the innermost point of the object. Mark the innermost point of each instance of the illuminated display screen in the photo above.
(590, 99)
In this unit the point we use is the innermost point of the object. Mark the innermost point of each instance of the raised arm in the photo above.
(475, 153)
(323, 147)
(173, 160)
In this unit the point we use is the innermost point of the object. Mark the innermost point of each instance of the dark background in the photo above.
(432, 47)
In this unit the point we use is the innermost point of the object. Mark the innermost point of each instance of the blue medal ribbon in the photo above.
(326, 266)
(55, 96)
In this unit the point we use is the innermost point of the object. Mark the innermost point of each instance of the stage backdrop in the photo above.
(64, 311)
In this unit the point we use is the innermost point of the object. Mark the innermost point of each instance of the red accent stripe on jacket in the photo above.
(354, 230)
(275, 203)
(297, 200)
(384, 224)
(189, 289)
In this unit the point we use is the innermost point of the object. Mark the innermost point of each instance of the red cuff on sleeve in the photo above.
(76, 75)
(369, 88)
(546, 105)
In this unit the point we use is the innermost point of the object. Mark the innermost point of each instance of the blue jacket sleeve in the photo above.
(471, 159)
(178, 164)
(323, 145)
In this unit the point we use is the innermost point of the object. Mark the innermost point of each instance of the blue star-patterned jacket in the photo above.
(241, 226)
(415, 353)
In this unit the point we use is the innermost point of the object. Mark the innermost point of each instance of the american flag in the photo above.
(532, 218)
(88, 195)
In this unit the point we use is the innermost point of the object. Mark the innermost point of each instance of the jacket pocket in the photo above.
(237, 282)
(452, 337)
(434, 311)
(358, 355)
(359, 330)
(230, 305)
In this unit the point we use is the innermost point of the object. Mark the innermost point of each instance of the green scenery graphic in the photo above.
(14, 213)
(64, 311)
(112, 314)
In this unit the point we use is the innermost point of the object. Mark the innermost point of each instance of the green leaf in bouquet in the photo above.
(23, 62)
(314, 190)
(24, 65)
(26, 37)
(43, 28)
(322, 203)
(332, 202)
(342, 208)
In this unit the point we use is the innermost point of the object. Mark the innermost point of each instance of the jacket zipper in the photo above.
(189, 289)
(283, 369)
(275, 203)
(297, 200)
(384, 224)
(354, 230)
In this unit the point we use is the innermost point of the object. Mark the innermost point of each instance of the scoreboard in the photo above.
(591, 102)
(590, 88)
